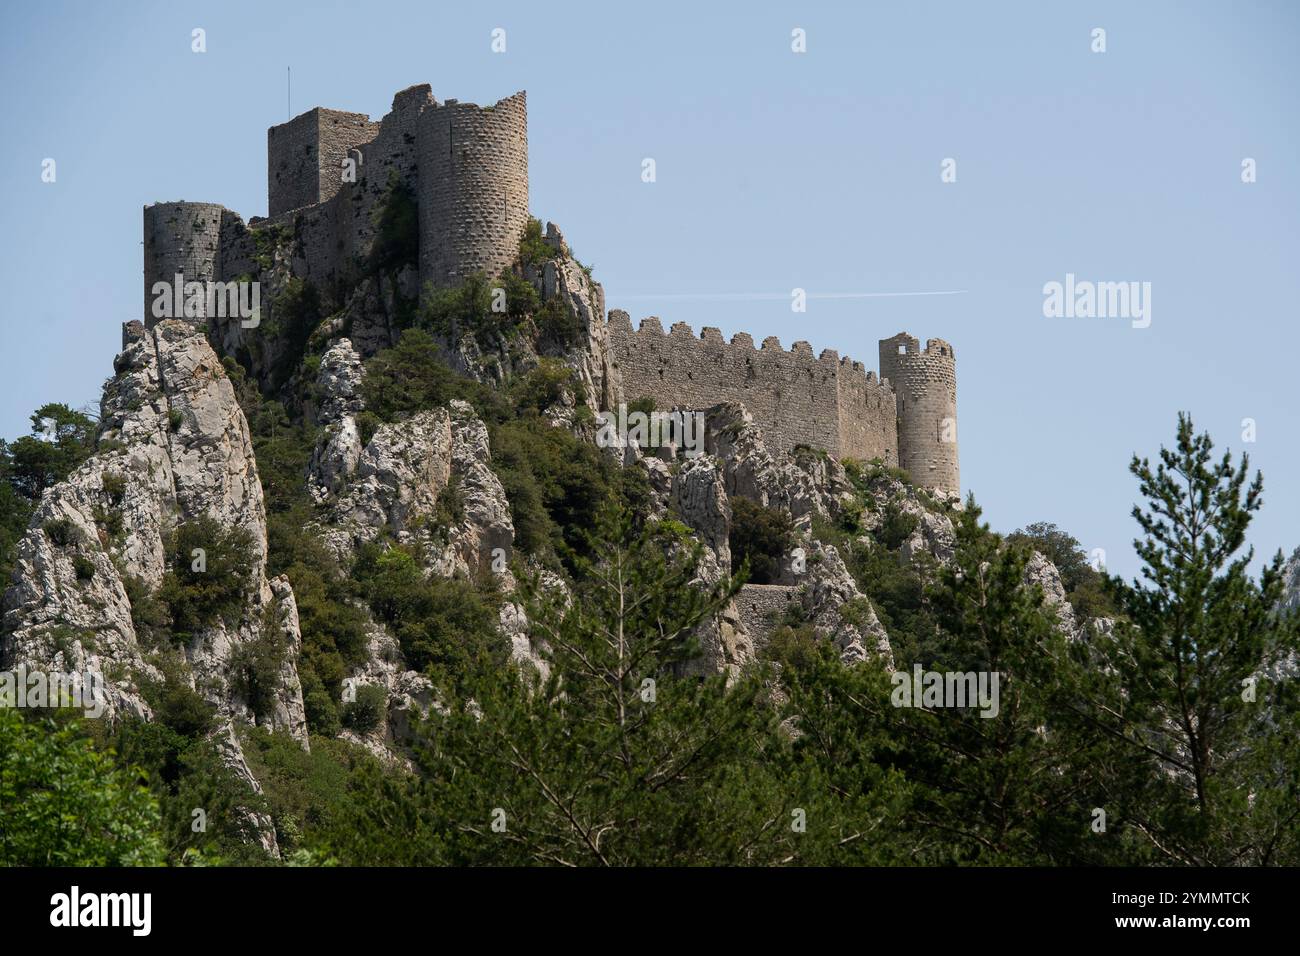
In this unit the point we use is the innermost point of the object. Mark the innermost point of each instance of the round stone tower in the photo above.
(180, 237)
(473, 188)
(925, 387)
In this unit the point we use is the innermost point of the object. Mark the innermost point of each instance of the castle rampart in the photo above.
(796, 397)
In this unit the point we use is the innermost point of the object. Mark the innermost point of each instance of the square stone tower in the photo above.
(304, 157)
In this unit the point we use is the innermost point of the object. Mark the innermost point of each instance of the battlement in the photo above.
(798, 397)
(651, 328)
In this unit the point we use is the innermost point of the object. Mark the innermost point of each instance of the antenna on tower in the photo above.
(288, 93)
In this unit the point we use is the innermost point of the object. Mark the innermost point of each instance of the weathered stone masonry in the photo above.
(467, 168)
(827, 402)
(907, 417)
(925, 382)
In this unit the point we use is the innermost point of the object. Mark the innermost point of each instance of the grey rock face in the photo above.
(804, 485)
(839, 611)
(737, 464)
(399, 479)
(174, 447)
(1042, 573)
(184, 452)
(564, 279)
(338, 449)
(1291, 583)
(698, 498)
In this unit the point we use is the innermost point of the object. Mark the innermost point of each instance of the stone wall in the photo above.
(473, 188)
(925, 382)
(797, 398)
(761, 606)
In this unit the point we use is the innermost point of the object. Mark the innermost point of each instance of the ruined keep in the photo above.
(330, 173)
(465, 166)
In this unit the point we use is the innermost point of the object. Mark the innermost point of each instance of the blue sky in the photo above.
(774, 171)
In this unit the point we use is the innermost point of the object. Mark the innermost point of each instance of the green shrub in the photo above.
(521, 295)
(559, 324)
(446, 628)
(176, 704)
(645, 405)
(62, 531)
(760, 536)
(364, 714)
(896, 527)
(544, 386)
(265, 243)
(256, 670)
(397, 228)
(111, 520)
(367, 424)
(295, 313)
(209, 577)
(114, 485)
(556, 484)
(149, 615)
(451, 313)
(449, 510)
(84, 567)
(322, 712)
(411, 377)
(533, 248)
(65, 804)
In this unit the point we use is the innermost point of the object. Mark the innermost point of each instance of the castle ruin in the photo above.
(467, 169)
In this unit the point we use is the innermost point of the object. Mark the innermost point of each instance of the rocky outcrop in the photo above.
(839, 611)
(698, 499)
(804, 484)
(173, 447)
(564, 279)
(1042, 573)
(338, 447)
(428, 481)
(408, 697)
(737, 464)
(1290, 602)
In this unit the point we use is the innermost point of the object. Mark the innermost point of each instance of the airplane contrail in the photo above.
(760, 296)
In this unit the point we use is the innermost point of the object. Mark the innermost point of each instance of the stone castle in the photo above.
(467, 167)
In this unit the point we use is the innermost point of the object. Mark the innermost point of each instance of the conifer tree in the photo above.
(621, 754)
(1205, 667)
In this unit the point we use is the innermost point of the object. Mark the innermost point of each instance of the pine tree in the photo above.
(1201, 661)
(620, 755)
